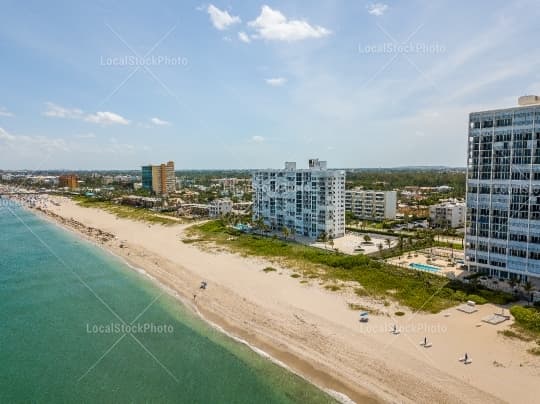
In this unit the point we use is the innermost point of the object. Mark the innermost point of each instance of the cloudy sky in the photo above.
(230, 84)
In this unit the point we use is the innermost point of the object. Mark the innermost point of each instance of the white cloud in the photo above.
(101, 117)
(31, 144)
(273, 25)
(377, 9)
(159, 122)
(106, 118)
(276, 81)
(85, 136)
(221, 19)
(244, 37)
(5, 112)
(257, 139)
(32, 148)
(56, 111)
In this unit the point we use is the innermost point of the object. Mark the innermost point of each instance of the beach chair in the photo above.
(364, 317)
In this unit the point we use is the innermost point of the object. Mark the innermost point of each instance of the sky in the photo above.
(230, 84)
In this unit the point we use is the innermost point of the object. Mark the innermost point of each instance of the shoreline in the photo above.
(343, 395)
(312, 331)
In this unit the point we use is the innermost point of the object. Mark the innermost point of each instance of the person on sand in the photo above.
(425, 341)
(466, 357)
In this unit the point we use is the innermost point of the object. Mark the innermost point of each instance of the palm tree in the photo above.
(400, 243)
(293, 233)
(367, 239)
(285, 231)
(323, 237)
(528, 287)
(331, 241)
(388, 242)
(259, 224)
(380, 247)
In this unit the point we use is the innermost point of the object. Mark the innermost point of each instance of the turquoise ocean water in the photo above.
(63, 303)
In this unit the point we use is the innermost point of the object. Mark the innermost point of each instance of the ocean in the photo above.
(78, 325)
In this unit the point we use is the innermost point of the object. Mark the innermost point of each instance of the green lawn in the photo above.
(415, 289)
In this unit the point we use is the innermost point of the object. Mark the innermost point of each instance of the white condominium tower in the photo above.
(310, 201)
(503, 185)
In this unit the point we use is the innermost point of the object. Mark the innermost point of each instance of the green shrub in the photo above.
(269, 269)
(399, 313)
(526, 317)
(477, 299)
(460, 296)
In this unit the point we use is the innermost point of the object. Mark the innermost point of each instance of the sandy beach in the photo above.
(313, 331)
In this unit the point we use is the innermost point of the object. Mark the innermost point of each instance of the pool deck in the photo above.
(432, 257)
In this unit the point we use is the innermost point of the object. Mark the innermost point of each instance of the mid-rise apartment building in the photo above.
(159, 179)
(448, 214)
(309, 201)
(503, 191)
(371, 205)
(220, 207)
(70, 181)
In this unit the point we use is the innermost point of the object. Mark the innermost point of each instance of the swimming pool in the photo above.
(424, 267)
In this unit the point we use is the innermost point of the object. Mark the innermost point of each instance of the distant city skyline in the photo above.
(230, 85)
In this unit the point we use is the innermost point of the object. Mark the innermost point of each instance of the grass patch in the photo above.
(415, 289)
(269, 269)
(295, 275)
(534, 351)
(333, 288)
(125, 212)
(399, 313)
(517, 334)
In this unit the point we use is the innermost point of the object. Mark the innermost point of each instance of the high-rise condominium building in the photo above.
(159, 179)
(371, 205)
(70, 181)
(503, 184)
(309, 201)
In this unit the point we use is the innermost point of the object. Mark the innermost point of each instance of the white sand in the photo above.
(314, 332)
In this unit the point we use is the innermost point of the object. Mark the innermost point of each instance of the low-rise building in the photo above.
(220, 207)
(141, 201)
(371, 205)
(448, 214)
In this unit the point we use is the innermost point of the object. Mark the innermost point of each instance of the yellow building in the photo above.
(159, 179)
